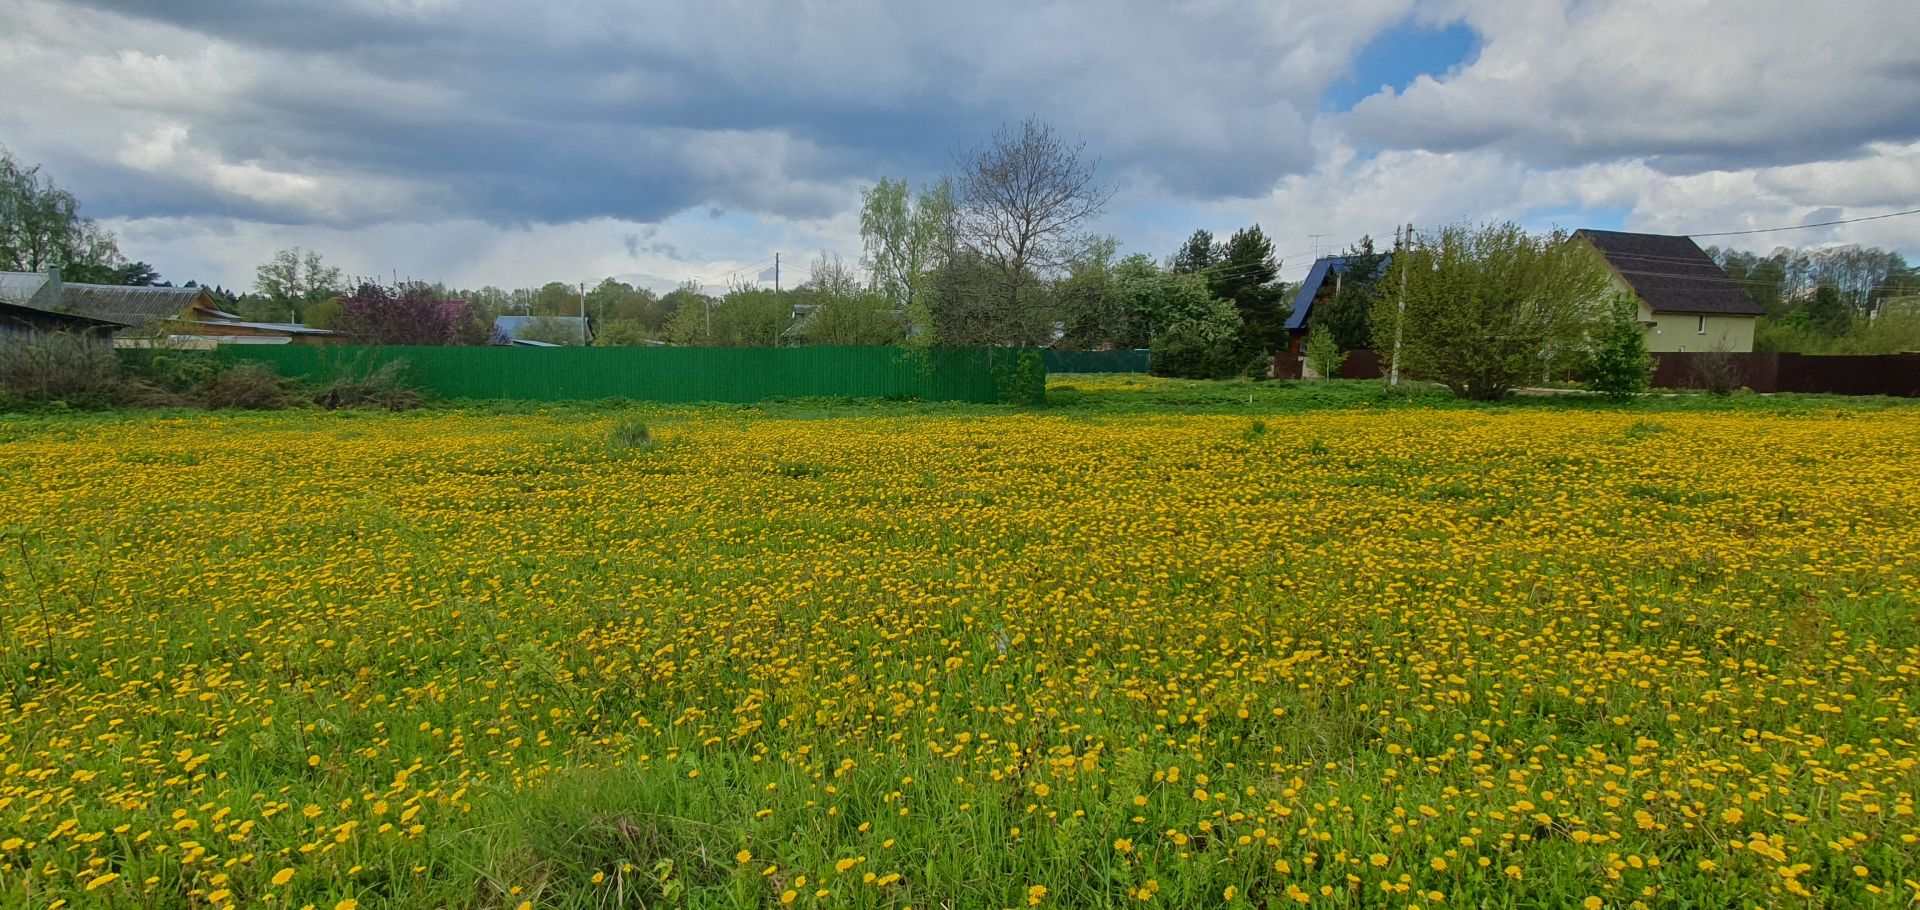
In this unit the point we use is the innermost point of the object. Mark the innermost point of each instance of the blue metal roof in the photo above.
(1310, 288)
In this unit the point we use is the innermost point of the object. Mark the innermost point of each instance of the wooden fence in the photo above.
(1863, 374)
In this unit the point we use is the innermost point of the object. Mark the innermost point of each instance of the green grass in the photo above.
(970, 646)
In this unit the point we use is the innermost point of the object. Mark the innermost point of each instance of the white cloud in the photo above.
(492, 141)
(473, 253)
(1694, 85)
(170, 152)
(1348, 195)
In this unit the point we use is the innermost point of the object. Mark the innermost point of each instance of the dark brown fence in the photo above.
(1360, 364)
(1863, 374)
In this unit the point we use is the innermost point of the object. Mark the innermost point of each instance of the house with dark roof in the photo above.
(1686, 301)
(158, 315)
(1323, 281)
(19, 322)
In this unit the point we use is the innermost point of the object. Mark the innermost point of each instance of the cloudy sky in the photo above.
(508, 142)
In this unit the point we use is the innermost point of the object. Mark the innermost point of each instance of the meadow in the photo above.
(1152, 646)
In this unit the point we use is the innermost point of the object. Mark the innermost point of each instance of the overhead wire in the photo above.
(1802, 227)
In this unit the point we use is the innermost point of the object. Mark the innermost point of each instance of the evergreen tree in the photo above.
(1198, 254)
(1618, 366)
(1248, 276)
(1828, 314)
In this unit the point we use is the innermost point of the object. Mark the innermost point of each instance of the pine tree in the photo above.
(1198, 254)
(1248, 276)
(1828, 314)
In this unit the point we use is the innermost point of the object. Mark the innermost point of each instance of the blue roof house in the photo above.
(1322, 282)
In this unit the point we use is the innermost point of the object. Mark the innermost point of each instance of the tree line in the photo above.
(1831, 300)
(1002, 251)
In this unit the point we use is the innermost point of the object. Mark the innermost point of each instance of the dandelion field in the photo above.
(1410, 657)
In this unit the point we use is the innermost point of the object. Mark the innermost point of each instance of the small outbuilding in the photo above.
(18, 322)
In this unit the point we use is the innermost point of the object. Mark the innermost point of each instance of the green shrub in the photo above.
(631, 433)
(1324, 355)
(60, 366)
(167, 368)
(1199, 349)
(1618, 365)
(362, 383)
(1023, 379)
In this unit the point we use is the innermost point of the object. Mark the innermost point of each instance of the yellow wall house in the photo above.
(1686, 302)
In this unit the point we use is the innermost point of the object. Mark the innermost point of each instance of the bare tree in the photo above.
(1024, 202)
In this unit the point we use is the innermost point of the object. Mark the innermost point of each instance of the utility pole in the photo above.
(1399, 322)
(776, 274)
(1316, 243)
(583, 314)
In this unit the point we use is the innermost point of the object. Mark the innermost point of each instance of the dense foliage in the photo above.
(1489, 308)
(1830, 300)
(410, 315)
(41, 226)
(1618, 364)
(1346, 311)
(1324, 355)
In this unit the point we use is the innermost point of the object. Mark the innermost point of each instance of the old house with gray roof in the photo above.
(41, 301)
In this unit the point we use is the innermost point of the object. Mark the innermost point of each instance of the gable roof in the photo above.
(1671, 274)
(1323, 268)
(128, 305)
(285, 328)
(19, 288)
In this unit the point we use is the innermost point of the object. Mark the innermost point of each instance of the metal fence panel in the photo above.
(1129, 361)
(669, 374)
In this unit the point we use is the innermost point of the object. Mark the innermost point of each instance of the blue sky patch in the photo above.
(1400, 54)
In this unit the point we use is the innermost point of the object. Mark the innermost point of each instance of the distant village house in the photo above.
(138, 316)
(1687, 302)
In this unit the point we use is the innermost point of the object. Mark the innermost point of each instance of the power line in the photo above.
(1802, 227)
(751, 265)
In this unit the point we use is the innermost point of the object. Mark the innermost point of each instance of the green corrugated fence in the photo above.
(677, 374)
(1096, 361)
